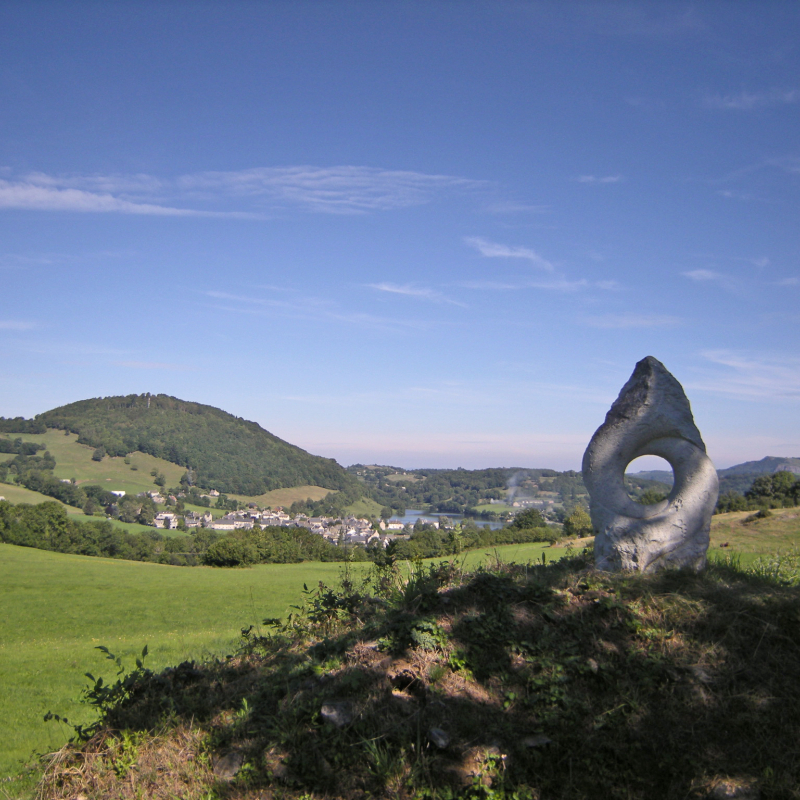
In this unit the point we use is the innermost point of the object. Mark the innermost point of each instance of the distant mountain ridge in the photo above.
(225, 452)
(766, 466)
(737, 478)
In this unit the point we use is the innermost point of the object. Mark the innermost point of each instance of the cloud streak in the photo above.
(342, 189)
(710, 276)
(16, 325)
(747, 101)
(751, 376)
(496, 250)
(28, 196)
(421, 293)
(626, 321)
(599, 179)
(313, 309)
(245, 194)
(558, 285)
(155, 365)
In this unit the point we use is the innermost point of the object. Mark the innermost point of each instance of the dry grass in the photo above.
(159, 766)
(778, 532)
(285, 497)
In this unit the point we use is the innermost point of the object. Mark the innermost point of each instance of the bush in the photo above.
(230, 553)
(530, 518)
(578, 524)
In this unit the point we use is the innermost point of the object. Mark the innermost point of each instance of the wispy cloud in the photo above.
(409, 290)
(27, 195)
(599, 178)
(750, 376)
(246, 194)
(516, 208)
(703, 275)
(341, 189)
(789, 164)
(733, 194)
(16, 325)
(307, 307)
(646, 20)
(747, 101)
(711, 276)
(789, 282)
(155, 365)
(496, 250)
(553, 285)
(631, 320)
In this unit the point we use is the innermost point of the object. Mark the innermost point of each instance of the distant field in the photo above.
(19, 494)
(404, 477)
(365, 508)
(498, 508)
(284, 497)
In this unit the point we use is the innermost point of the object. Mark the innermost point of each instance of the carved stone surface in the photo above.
(651, 416)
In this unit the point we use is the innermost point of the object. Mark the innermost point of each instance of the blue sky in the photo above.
(424, 234)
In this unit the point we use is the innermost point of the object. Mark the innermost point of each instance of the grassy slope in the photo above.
(19, 494)
(58, 607)
(74, 460)
(284, 497)
(779, 532)
(365, 507)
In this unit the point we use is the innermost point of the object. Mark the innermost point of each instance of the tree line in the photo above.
(47, 526)
(778, 490)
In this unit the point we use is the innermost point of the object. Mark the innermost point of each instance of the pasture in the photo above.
(750, 538)
(19, 494)
(284, 497)
(59, 607)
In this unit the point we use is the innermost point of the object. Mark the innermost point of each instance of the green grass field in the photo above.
(59, 607)
(497, 508)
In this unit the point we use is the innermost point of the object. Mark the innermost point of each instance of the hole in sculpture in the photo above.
(648, 479)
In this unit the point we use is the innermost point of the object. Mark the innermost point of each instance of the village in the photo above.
(349, 530)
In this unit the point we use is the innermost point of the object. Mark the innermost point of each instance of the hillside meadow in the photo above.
(131, 474)
(74, 462)
(59, 607)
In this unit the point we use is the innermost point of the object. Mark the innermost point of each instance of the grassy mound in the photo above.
(537, 681)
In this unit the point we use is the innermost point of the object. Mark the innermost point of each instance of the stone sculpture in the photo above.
(651, 416)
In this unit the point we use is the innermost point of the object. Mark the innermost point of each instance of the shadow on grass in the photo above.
(515, 681)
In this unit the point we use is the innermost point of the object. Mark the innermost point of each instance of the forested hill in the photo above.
(224, 452)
